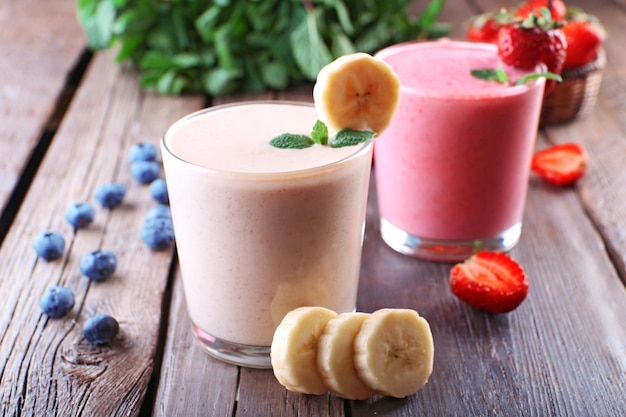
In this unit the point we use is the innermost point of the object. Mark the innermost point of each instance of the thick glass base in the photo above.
(446, 250)
(234, 353)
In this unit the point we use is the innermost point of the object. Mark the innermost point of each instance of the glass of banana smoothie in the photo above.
(452, 169)
(262, 230)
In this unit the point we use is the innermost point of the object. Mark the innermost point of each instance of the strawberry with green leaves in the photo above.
(557, 8)
(490, 281)
(521, 46)
(562, 164)
(554, 55)
(485, 27)
(535, 40)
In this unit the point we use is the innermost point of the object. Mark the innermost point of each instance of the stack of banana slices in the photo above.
(354, 355)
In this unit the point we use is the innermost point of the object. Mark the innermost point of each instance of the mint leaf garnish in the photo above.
(549, 75)
(320, 133)
(291, 141)
(350, 137)
(500, 76)
(497, 75)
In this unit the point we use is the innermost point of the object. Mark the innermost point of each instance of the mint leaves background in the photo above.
(219, 47)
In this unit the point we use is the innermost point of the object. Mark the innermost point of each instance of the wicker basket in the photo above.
(576, 95)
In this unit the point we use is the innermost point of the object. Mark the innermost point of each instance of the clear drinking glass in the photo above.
(452, 169)
(260, 230)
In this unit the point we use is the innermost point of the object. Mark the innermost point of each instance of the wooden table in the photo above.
(68, 120)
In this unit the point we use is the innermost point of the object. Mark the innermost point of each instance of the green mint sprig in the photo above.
(319, 135)
(291, 141)
(500, 76)
(350, 137)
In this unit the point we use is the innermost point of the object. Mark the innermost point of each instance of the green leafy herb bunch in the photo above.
(224, 46)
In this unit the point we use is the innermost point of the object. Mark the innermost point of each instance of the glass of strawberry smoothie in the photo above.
(452, 170)
(261, 230)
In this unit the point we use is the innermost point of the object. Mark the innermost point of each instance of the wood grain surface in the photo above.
(561, 353)
(40, 44)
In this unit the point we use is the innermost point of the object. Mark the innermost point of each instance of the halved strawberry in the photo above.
(561, 164)
(490, 281)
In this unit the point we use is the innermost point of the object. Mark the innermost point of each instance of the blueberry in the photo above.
(100, 329)
(160, 211)
(110, 195)
(49, 245)
(143, 151)
(158, 191)
(158, 232)
(98, 265)
(145, 171)
(57, 301)
(80, 215)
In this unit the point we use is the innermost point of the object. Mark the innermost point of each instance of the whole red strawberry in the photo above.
(490, 281)
(554, 55)
(583, 42)
(483, 28)
(520, 46)
(557, 9)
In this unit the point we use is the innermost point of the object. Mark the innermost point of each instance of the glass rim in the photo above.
(359, 149)
(411, 46)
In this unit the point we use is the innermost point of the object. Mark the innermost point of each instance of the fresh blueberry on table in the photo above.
(110, 195)
(57, 301)
(158, 191)
(98, 265)
(80, 214)
(142, 151)
(145, 171)
(100, 329)
(159, 211)
(157, 232)
(49, 245)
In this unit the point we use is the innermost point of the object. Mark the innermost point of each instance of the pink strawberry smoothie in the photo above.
(454, 164)
(260, 230)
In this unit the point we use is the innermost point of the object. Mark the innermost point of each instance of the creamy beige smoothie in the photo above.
(261, 230)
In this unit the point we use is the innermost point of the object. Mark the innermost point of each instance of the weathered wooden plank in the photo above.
(602, 133)
(526, 354)
(191, 383)
(40, 42)
(47, 368)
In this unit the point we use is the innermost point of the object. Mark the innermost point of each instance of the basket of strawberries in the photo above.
(534, 31)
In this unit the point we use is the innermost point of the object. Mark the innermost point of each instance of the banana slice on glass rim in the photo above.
(357, 91)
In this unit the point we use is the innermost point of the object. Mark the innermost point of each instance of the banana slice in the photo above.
(335, 357)
(294, 349)
(357, 91)
(394, 352)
